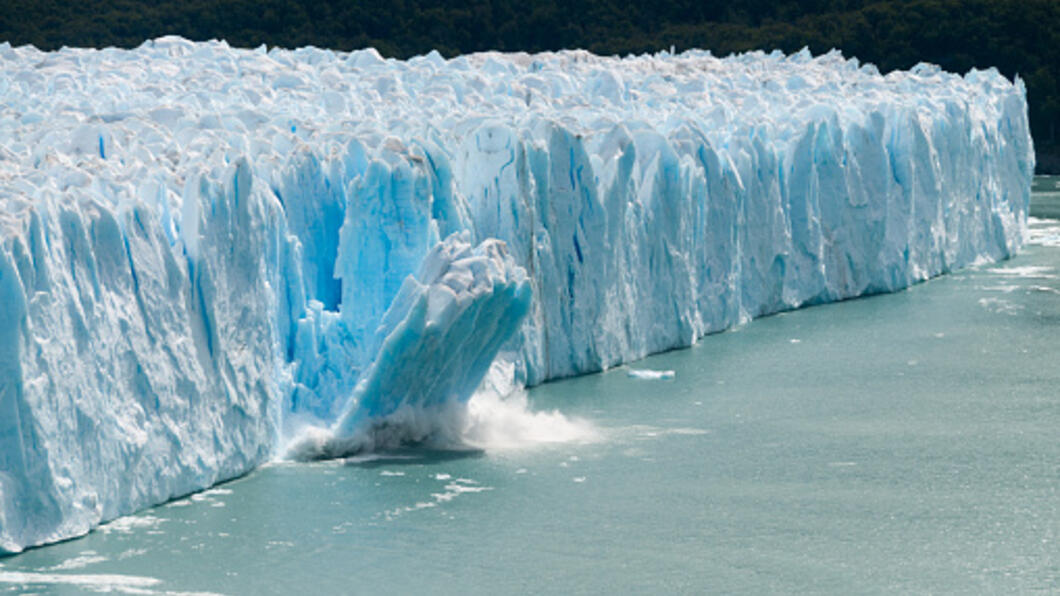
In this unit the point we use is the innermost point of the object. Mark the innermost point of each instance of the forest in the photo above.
(1019, 37)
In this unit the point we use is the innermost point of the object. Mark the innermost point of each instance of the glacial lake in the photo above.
(898, 443)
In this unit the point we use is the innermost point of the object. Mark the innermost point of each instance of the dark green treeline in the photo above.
(1016, 36)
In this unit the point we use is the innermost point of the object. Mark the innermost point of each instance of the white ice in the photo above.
(650, 375)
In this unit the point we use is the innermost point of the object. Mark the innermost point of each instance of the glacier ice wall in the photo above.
(205, 251)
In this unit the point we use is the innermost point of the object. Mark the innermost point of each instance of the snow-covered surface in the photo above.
(207, 253)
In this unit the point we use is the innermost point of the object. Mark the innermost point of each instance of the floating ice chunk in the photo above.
(650, 375)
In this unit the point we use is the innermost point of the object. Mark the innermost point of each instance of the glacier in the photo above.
(213, 257)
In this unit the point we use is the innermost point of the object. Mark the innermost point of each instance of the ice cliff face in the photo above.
(204, 252)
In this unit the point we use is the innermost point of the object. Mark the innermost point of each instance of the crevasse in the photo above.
(210, 255)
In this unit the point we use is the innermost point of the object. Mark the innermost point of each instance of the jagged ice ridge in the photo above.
(209, 256)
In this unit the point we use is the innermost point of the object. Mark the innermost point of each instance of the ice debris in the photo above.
(650, 375)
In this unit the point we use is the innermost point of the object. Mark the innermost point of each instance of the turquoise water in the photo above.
(900, 443)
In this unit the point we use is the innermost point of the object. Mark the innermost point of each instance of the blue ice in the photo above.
(209, 254)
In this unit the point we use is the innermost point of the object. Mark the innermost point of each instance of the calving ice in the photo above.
(212, 257)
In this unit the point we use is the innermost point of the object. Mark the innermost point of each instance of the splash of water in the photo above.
(498, 416)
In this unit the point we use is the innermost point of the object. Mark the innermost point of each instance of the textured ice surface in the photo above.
(206, 251)
(435, 344)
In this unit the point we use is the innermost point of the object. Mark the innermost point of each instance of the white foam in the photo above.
(645, 431)
(494, 422)
(1026, 271)
(131, 523)
(489, 421)
(1004, 288)
(99, 582)
(1043, 232)
(452, 491)
(1001, 306)
(79, 562)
